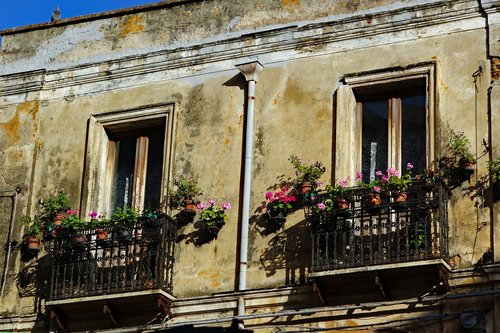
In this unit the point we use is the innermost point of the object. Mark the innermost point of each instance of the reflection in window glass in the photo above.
(374, 145)
(124, 173)
(414, 131)
(155, 167)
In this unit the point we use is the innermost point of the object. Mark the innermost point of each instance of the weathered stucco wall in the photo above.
(43, 137)
(188, 23)
(294, 115)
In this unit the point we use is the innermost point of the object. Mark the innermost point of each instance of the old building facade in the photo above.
(229, 90)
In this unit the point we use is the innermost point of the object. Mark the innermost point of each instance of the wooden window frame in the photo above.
(101, 153)
(347, 152)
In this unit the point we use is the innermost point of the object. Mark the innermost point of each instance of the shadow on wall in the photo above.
(199, 235)
(34, 281)
(289, 249)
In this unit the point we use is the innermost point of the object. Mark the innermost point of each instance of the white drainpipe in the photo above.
(251, 71)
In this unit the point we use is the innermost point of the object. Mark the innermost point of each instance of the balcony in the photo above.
(363, 235)
(121, 268)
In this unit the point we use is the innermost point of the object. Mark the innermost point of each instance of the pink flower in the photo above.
(378, 173)
(321, 206)
(211, 202)
(385, 179)
(201, 205)
(76, 211)
(376, 189)
(313, 197)
(93, 215)
(269, 195)
(359, 176)
(392, 172)
(69, 212)
(409, 165)
(343, 183)
(226, 205)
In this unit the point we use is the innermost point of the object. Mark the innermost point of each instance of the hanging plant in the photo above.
(213, 217)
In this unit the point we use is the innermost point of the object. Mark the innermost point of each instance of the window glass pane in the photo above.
(155, 167)
(124, 173)
(374, 144)
(414, 131)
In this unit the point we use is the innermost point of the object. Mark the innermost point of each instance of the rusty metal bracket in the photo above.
(443, 277)
(378, 283)
(318, 292)
(106, 309)
(165, 307)
(54, 319)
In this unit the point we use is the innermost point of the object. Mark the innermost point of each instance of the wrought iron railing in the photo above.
(109, 260)
(365, 234)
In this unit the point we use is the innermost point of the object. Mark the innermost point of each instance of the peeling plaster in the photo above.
(132, 24)
(11, 128)
(91, 32)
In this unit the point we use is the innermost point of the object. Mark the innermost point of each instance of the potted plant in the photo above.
(75, 227)
(429, 179)
(459, 147)
(397, 184)
(32, 232)
(101, 226)
(307, 173)
(184, 192)
(54, 209)
(340, 194)
(279, 204)
(122, 220)
(150, 221)
(372, 199)
(213, 217)
(321, 209)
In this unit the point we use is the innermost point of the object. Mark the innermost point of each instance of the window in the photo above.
(393, 129)
(137, 160)
(127, 162)
(384, 120)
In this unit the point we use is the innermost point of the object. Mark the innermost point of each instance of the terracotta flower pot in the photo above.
(58, 218)
(305, 187)
(400, 197)
(469, 167)
(33, 243)
(80, 242)
(80, 239)
(190, 206)
(372, 200)
(341, 204)
(102, 234)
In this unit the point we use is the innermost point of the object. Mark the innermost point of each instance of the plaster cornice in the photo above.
(294, 41)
